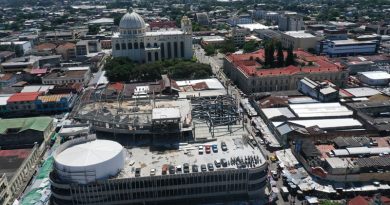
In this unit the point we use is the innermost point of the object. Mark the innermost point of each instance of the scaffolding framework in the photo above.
(216, 111)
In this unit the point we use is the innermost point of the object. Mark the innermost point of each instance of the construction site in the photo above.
(146, 115)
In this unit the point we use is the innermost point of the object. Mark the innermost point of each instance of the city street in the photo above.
(216, 63)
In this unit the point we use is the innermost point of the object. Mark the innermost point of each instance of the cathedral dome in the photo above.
(132, 20)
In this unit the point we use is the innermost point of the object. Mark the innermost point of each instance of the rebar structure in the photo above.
(215, 111)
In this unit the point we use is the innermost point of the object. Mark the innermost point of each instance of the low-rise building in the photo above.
(67, 50)
(212, 40)
(25, 131)
(239, 36)
(298, 39)
(349, 47)
(323, 91)
(240, 19)
(6, 55)
(22, 102)
(86, 47)
(22, 47)
(59, 35)
(374, 78)
(65, 77)
(55, 103)
(8, 79)
(247, 73)
(202, 18)
(290, 21)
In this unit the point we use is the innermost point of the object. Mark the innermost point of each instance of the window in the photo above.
(141, 45)
(155, 45)
(130, 46)
(156, 56)
(162, 48)
(117, 47)
(169, 50)
(148, 45)
(123, 46)
(175, 49)
(135, 45)
(182, 49)
(149, 56)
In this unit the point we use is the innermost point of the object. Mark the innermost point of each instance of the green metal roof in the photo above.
(31, 123)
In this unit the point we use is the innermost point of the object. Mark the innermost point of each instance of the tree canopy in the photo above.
(250, 46)
(124, 70)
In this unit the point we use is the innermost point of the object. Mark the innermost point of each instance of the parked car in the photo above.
(203, 167)
(195, 168)
(171, 169)
(215, 148)
(223, 146)
(224, 162)
(217, 163)
(186, 168)
(179, 169)
(164, 169)
(200, 149)
(208, 150)
(137, 172)
(210, 166)
(152, 172)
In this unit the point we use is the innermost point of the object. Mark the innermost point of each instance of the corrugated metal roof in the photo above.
(33, 123)
(53, 98)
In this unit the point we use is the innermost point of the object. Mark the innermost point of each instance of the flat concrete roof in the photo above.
(165, 113)
(144, 158)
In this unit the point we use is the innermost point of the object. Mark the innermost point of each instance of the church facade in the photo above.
(137, 42)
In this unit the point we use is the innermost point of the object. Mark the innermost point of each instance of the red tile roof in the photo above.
(162, 24)
(248, 64)
(45, 46)
(20, 153)
(116, 86)
(359, 200)
(19, 97)
(38, 71)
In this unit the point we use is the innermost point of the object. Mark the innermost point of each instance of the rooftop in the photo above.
(53, 98)
(165, 113)
(67, 74)
(352, 42)
(376, 75)
(247, 63)
(33, 123)
(144, 158)
(27, 96)
(11, 160)
(299, 34)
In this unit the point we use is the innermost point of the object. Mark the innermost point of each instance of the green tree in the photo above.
(122, 69)
(93, 29)
(250, 46)
(280, 55)
(290, 56)
(228, 47)
(269, 52)
(210, 50)
(329, 202)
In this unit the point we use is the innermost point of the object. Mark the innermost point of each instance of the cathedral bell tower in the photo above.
(186, 25)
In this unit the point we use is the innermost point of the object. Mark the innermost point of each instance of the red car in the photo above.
(208, 150)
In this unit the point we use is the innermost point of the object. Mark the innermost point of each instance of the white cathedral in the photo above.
(137, 42)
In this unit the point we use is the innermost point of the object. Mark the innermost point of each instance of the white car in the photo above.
(152, 172)
(200, 148)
